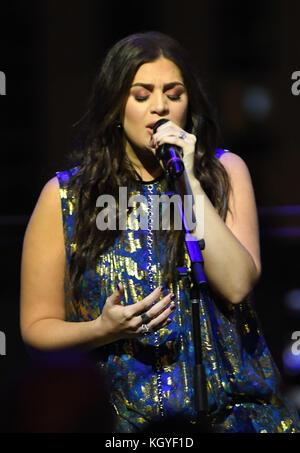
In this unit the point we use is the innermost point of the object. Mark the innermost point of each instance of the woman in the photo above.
(117, 291)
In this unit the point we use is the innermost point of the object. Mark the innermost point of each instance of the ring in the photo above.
(182, 135)
(145, 329)
(145, 318)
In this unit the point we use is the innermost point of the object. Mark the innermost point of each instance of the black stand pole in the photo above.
(198, 290)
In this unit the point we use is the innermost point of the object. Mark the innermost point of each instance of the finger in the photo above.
(166, 135)
(163, 126)
(143, 305)
(173, 140)
(160, 306)
(117, 295)
(163, 318)
(166, 128)
(165, 323)
(148, 301)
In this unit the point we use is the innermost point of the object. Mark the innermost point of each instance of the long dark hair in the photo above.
(100, 155)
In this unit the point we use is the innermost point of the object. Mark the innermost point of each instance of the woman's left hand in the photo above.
(172, 134)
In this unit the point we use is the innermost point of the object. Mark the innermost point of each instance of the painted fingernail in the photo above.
(119, 287)
(172, 306)
(172, 296)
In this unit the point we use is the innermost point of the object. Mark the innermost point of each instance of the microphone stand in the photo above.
(174, 166)
(198, 291)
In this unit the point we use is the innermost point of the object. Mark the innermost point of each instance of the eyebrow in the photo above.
(150, 86)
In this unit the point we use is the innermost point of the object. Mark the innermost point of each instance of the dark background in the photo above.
(246, 53)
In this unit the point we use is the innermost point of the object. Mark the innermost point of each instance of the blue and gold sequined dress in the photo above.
(152, 376)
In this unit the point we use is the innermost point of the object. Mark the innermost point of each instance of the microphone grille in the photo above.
(159, 123)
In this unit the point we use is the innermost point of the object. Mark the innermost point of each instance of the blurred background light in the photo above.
(294, 395)
(291, 361)
(257, 103)
(292, 301)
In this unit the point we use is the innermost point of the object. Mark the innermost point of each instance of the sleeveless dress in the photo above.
(152, 377)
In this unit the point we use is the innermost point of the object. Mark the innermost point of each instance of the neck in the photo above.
(145, 163)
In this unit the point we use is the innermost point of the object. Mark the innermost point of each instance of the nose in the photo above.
(159, 104)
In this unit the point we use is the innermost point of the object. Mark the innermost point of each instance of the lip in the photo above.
(150, 130)
(151, 125)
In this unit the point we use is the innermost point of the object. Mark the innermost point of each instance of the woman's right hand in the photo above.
(119, 322)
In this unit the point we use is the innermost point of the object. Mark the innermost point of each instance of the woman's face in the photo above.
(157, 92)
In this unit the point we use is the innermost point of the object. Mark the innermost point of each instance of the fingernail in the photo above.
(118, 287)
(161, 288)
(172, 305)
(172, 296)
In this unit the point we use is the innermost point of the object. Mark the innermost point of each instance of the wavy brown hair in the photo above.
(99, 150)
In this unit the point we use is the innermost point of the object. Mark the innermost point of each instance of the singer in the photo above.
(117, 293)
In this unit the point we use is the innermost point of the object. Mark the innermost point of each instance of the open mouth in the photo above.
(150, 130)
(150, 125)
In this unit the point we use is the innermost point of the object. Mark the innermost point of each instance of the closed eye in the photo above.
(171, 97)
(174, 97)
(141, 98)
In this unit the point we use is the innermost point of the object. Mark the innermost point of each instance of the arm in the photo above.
(232, 255)
(43, 323)
(42, 279)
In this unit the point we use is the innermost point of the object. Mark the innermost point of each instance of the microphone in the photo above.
(170, 155)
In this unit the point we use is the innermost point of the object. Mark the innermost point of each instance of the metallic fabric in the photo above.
(242, 378)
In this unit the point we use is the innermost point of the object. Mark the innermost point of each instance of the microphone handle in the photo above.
(170, 157)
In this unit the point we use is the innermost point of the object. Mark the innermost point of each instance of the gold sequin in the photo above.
(228, 379)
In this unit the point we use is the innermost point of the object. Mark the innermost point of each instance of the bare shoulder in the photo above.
(48, 201)
(50, 191)
(240, 179)
(234, 164)
(52, 184)
(46, 219)
(239, 176)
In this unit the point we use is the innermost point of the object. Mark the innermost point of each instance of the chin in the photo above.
(147, 147)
